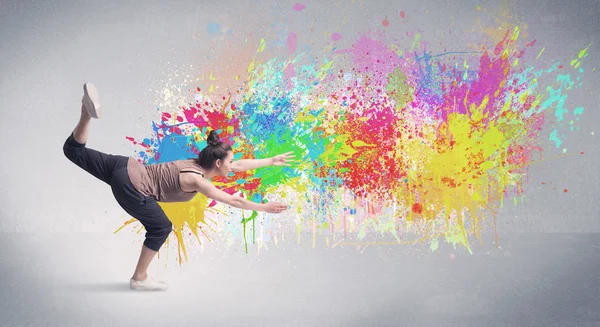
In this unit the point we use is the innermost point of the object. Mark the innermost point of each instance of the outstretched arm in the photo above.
(249, 164)
(207, 188)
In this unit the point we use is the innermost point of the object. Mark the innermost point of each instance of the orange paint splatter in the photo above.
(449, 181)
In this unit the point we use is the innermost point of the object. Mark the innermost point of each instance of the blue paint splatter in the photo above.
(214, 28)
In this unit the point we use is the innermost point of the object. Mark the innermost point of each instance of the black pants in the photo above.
(112, 169)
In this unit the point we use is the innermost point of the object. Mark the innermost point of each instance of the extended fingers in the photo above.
(287, 155)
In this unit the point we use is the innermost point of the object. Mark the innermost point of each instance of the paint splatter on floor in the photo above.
(396, 142)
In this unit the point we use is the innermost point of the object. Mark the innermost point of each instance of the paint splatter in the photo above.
(292, 39)
(391, 136)
(299, 7)
(214, 28)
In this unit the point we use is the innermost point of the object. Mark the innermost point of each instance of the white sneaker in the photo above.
(149, 284)
(91, 101)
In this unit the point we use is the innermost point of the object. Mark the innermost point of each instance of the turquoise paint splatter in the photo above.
(554, 137)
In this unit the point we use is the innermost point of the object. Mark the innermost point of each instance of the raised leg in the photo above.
(80, 133)
(90, 108)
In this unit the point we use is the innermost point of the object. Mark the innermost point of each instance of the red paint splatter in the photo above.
(378, 130)
(385, 23)
(402, 14)
(131, 139)
(565, 190)
(417, 208)
(581, 152)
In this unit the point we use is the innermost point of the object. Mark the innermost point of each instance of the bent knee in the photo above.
(162, 231)
(167, 229)
(69, 150)
(155, 238)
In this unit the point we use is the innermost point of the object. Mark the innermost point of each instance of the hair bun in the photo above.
(213, 139)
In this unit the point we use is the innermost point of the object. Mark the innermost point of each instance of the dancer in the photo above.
(138, 188)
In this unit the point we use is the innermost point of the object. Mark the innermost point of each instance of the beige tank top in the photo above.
(161, 181)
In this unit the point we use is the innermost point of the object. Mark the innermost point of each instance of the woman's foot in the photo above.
(91, 101)
(148, 284)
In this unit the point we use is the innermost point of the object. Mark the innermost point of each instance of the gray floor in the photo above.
(80, 279)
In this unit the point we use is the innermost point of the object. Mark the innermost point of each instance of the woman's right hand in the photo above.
(274, 207)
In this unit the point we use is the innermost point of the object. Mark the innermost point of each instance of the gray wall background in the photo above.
(61, 265)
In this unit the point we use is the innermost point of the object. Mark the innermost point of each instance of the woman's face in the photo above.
(224, 166)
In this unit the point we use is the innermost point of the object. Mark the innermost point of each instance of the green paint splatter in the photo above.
(399, 89)
(539, 54)
(244, 222)
(434, 245)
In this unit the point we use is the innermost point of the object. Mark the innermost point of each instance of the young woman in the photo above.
(138, 188)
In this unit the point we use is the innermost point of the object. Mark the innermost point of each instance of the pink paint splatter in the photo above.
(385, 23)
(493, 71)
(288, 73)
(452, 256)
(402, 14)
(299, 7)
(336, 36)
(373, 57)
(292, 40)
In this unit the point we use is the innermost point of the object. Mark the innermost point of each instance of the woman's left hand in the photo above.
(282, 159)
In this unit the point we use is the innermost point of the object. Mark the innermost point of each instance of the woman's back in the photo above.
(162, 181)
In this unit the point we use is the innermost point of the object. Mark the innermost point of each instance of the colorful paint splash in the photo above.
(398, 143)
